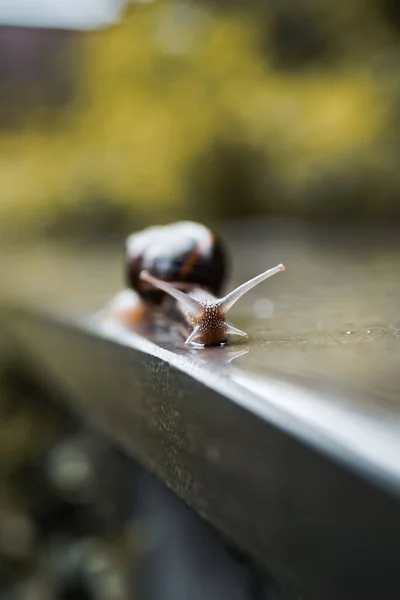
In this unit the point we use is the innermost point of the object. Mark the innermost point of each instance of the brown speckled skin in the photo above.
(211, 325)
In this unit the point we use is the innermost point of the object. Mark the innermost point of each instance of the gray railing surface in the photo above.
(287, 444)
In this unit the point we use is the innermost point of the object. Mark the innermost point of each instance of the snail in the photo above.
(178, 271)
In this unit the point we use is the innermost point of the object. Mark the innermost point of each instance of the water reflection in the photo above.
(168, 338)
(217, 357)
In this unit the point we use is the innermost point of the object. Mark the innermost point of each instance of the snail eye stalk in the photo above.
(230, 299)
(208, 319)
(190, 305)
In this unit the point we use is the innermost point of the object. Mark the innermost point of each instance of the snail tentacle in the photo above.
(195, 334)
(230, 330)
(230, 299)
(191, 305)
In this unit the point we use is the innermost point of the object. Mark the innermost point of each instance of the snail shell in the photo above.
(187, 254)
(186, 262)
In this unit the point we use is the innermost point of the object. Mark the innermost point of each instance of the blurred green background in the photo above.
(201, 110)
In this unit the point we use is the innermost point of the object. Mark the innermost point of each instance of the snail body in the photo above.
(180, 269)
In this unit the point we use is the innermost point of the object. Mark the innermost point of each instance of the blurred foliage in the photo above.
(206, 110)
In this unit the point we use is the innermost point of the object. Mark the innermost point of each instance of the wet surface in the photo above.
(330, 323)
(332, 317)
(287, 440)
